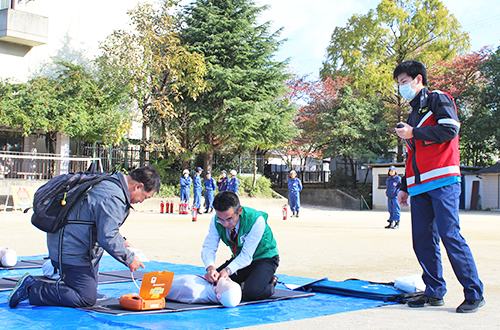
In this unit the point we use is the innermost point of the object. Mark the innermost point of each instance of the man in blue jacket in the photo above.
(197, 188)
(185, 183)
(294, 189)
(209, 192)
(223, 181)
(233, 183)
(76, 249)
(393, 184)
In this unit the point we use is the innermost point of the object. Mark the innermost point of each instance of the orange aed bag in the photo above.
(154, 288)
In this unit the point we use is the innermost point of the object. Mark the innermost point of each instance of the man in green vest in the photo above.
(254, 253)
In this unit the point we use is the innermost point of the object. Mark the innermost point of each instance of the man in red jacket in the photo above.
(433, 181)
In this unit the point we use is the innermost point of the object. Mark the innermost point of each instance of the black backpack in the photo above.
(54, 200)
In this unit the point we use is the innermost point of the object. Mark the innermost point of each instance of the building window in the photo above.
(381, 181)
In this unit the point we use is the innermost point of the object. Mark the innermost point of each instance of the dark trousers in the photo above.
(257, 277)
(77, 289)
(434, 215)
(394, 209)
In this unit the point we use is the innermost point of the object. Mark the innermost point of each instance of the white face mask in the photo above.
(407, 92)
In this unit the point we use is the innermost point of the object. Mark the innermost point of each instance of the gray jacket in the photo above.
(102, 211)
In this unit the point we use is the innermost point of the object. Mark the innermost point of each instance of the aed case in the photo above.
(154, 288)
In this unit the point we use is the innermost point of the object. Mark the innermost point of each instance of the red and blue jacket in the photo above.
(433, 156)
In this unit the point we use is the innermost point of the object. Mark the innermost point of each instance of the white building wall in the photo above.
(76, 27)
(489, 196)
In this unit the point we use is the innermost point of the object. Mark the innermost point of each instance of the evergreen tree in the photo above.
(243, 79)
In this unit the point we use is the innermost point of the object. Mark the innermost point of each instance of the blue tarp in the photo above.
(36, 317)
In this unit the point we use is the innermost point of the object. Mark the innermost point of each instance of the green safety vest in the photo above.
(267, 246)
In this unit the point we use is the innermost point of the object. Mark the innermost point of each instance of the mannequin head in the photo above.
(228, 292)
(8, 257)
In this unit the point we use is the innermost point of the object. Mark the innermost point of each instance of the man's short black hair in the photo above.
(413, 69)
(226, 200)
(148, 176)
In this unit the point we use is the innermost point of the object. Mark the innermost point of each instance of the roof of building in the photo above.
(492, 169)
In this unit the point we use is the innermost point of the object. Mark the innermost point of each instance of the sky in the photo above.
(308, 25)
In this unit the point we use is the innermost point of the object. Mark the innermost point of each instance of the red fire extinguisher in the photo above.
(162, 207)
(167, 207)
(171, 207)
(195, 213)
(285, 213)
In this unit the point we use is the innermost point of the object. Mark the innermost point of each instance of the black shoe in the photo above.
(470, 305)
(297, 214)
(211, 210)
(425, 301)
(293, 214)
(21, 290)
(206, 211)
(389, 225)
(396, 225)
(274, 281)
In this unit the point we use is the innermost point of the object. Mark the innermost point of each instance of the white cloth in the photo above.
(192, 289)
(250, 243)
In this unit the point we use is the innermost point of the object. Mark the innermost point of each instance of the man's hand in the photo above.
(212, 275)
(127, 243)
(134, 265)
(403, 198)
(223, 274)
(404, 132)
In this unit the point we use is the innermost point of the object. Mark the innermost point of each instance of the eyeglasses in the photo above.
(227, 221)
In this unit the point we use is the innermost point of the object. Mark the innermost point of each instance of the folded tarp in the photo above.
(112, 305)
(356, 288)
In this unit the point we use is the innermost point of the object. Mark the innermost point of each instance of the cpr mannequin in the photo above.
(8, 257)
(194, 289)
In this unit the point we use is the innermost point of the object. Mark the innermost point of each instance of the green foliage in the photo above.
(169, 191)
(160, 70)
(370, 46)
(261, 189)
(245, 83)
(490, 96)
(76, 102)
(353, 128)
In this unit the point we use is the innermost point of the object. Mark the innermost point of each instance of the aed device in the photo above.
(154, 288)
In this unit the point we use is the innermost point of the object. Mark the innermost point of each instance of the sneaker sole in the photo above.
(19, 283)
(437, 304)
(481, 304)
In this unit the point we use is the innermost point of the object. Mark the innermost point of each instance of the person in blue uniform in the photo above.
(185, 187)
(233, 183)
(209, 192)
(197, 188)
(294, 189)
(433, 181)
(223, 181)
(393, 184)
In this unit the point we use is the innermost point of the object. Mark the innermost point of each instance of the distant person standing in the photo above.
(185, 186)
(223, 181)
(233, 183)
(210, 187)
(393, 184)
(294, 189)
(197, 188)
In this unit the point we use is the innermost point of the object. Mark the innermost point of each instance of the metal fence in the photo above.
(317, 179)
(25, 165)
(127, 157)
